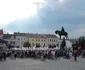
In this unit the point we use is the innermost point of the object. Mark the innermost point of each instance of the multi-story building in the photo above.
(51, 40)
(20, 39)
(3, 43)
(37, 39)
(11, 39)
(43, 40)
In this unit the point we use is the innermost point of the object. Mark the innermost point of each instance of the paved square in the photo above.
(31, 64)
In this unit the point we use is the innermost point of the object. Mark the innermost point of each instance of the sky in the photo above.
(43, 16)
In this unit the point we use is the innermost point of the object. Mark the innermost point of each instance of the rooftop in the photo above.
(8, 36)
(31, 35)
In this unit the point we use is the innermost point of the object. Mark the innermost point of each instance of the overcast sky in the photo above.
(43, 16)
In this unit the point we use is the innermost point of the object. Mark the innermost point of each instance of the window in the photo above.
(54, 40)
(50, 40)
(10, 42)
(32, 39)
(36, 39)
(44, 40)
(13, 42)
(39, 39)
(18, 38)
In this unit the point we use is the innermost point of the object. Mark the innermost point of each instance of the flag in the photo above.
(79, 47)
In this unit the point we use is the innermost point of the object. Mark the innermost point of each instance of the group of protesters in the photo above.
(51, 54)
(38, 54)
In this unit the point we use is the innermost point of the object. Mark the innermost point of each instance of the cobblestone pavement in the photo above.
(31, 64)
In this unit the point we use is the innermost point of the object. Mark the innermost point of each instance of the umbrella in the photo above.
(14, 48)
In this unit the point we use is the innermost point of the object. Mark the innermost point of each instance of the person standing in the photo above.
(70, 54)
(75, 55)
(15, 54)
(4, 55)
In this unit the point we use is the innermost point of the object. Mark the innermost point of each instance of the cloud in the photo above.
(8, 31)
(78, 31)
(52, 16)
(16, 9)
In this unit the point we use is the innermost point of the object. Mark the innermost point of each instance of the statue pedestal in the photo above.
(68, 44)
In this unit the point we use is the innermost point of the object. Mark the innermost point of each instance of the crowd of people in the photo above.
(38, 54)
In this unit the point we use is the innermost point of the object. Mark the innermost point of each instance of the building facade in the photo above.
(42, 40)
(11, 39)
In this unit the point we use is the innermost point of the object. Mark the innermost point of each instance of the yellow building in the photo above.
(44, 40)
(37, 39)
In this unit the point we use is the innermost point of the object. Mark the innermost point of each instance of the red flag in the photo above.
(79, 47)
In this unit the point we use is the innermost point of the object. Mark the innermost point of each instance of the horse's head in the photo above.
(57, 31)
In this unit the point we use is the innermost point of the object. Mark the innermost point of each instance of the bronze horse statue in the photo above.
(62, 32)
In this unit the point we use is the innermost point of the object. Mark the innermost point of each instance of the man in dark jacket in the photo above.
(75, 55)
(4, 55)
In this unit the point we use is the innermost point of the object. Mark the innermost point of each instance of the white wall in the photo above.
(20, 40)
(53, 41)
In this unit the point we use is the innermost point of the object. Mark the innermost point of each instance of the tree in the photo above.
(76, 45)
(81, 41)
(27, 44)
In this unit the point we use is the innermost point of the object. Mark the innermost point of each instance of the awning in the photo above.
(3, 41)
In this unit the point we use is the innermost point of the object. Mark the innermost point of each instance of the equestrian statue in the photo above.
(62, 33)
